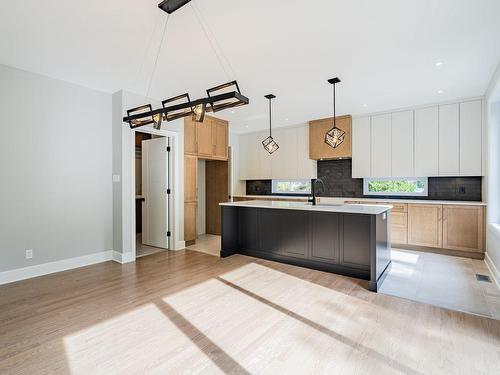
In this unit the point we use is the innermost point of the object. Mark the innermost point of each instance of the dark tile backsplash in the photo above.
(259, 187)
(336, 175)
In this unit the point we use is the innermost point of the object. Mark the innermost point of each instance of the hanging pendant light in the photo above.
(199, 112)
(227, 95)
(335, 136)
(269, 143)
(144, 117)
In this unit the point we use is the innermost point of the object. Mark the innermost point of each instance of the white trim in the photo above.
(123, 258)
(493, 270)
(129, 220)
(52, 267)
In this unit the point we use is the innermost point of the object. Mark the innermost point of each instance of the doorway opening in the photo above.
(152, 193)
(212, 182)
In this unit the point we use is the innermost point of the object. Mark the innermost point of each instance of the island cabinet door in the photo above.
(355, 244)
(325, 237)
(294, 233)
(271, 231)
(248, 236)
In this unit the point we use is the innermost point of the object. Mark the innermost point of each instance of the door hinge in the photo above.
(168, 234)
(168, 148)
(168, 191)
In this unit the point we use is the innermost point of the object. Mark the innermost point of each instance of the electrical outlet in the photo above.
(29, 253)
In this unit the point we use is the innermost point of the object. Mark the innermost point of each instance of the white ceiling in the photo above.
(384, 51)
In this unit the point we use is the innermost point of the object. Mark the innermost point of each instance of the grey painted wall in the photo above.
(55, 165)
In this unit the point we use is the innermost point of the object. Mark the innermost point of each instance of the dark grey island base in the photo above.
(351, 240)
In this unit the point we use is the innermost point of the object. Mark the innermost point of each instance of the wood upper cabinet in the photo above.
(190, 136)
(205, 141)
(318, 149)
(463, 227)
(220, 138)
(425, 225)
(208, 140)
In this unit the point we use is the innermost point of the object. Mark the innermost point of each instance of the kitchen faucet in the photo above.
(312, 199)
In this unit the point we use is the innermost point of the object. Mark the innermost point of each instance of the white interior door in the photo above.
(154, 189)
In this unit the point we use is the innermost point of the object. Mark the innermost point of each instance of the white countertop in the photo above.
(346, 209)
(338, 200)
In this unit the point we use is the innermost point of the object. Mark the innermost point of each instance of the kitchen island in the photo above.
(351, 240)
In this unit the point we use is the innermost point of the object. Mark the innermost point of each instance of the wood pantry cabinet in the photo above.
(190, 197)
(318, 149)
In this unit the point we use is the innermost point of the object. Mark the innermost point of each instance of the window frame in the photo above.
(305, 180)
(425, 180)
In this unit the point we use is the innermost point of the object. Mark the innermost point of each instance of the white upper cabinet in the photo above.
(361, 147)
(290, 161)
(381, 146)
(471, 138)
(449, 140)
(284, 160)
(402, 144)
(427, 142)
(306, 168)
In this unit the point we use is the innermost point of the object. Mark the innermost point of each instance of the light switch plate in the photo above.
(29, 253)
(116, 178)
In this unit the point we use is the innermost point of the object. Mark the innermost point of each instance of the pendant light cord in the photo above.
(206, 30)
(334, 112)
(270, 117)
(157, 55)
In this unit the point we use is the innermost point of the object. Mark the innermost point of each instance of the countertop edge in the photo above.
(388, 200)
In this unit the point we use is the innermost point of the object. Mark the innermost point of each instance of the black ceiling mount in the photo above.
(270, 96)
(334, 80)
(170, 6)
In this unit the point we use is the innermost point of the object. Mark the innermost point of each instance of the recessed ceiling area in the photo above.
(389, 54)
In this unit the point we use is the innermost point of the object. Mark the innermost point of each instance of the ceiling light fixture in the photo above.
(227, 95)
(439, 63)
(440, 91)
(269, 143)
(335, 136)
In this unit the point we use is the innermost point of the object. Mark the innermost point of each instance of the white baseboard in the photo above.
(123, 257)
(493, 269)
(180, 245)
(52, 267)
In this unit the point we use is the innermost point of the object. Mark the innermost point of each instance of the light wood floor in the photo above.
(188, 312)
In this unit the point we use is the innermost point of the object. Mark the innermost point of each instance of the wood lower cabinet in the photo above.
(220, 138)
(463, 228)
(425, 225)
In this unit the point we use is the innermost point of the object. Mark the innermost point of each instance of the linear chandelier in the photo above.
(227, 95)
(335, 136)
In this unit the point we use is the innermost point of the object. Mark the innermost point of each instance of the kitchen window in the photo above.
(299, 187)
(396, 186)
